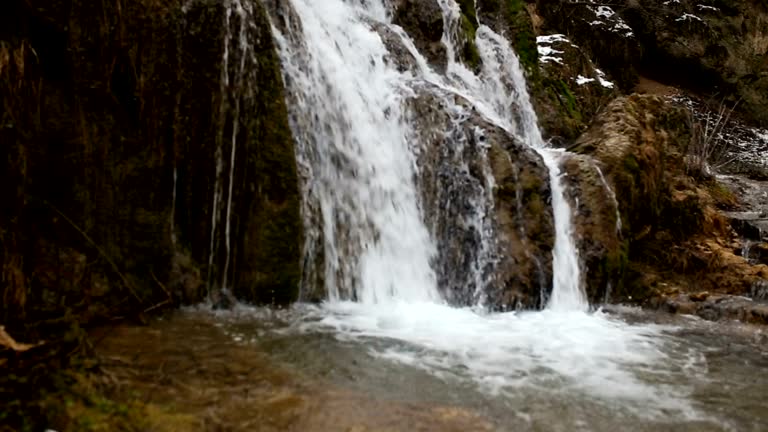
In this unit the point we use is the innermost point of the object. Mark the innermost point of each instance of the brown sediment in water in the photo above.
(186, 374)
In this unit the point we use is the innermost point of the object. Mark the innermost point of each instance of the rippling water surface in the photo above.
(625, 370)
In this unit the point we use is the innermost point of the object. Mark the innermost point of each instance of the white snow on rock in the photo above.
(689, 17)
(548, 39)
(709, 8)
(548, 54)
(581, 79)
(604, 12)
(607, 17)
(603, 82)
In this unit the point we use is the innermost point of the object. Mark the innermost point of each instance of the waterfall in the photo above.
(357, 147)
(353, 139)
(399, 207)
(508, 94)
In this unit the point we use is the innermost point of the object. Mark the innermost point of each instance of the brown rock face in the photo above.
(641, 141)
(598, 226)
(526, 224)
(637, 142)
(720, 48)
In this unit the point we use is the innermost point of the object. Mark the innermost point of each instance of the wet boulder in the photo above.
(423, 21)
(486, 198)
(598, 226)
(637, 143)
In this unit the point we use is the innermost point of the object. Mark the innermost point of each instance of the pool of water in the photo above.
(431, 367)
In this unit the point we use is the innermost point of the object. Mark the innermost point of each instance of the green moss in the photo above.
(271, 246)
(523, 38)
(469, 53)
(630, 164)
(468, 10)
(559, 91)
(567, 100)
(723, 196)
(525, 45)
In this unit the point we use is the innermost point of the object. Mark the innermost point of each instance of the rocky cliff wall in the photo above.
(118, 125)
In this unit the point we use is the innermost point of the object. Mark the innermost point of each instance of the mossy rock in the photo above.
(640, 142)
(603, 251)
(468, 26)
(423, 21)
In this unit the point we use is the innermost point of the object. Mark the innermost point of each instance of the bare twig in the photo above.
(101, 251)
(708, 148)
(159, 305)
(160, 284)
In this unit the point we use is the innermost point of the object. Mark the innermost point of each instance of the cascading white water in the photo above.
(354, 145)
(513, 106)
(501, 95)
(354, 140)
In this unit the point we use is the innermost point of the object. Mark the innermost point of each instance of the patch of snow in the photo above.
(548, 39)
(581, 80)
(709, 8)
(604, 12)
(603, 82)
(609, 18)
(547, 51)
(621, 26)
(548, 59)
(666, 3)
(548, 54)
(689, 17)
(606, 83)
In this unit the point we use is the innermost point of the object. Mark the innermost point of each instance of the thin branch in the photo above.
(99, 249)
